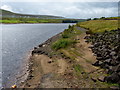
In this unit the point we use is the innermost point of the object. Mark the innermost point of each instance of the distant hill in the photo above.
(11, 17)
(6, 13)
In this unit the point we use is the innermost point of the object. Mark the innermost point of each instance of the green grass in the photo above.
(99, 25)
(35, 20)
(67, 33)
(10, 21)
(62, 43)
(70, 32)
(67, 54)
(112, 18)
(78, 69)
(21, 20)
(110, 84)
(31, 22)
(67, 38)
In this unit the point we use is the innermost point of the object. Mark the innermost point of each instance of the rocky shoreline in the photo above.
(106, 47)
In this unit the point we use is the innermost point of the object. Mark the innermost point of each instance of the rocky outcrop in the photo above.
(106, 48)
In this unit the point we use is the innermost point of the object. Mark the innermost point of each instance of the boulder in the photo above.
(106, 47)
(99, 58)
(97, 63)
(101, 78)
(114, 78)
(94, 79)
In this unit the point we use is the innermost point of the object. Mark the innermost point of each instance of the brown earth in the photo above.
(70, 68)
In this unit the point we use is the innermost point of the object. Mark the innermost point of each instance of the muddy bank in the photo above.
(24, 70)
(34, 66)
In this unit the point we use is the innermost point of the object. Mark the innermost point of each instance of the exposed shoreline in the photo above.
(24, 70)
(49, 69)
(30, 61)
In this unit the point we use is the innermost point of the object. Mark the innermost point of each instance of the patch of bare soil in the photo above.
(87, 58)
(42, 70)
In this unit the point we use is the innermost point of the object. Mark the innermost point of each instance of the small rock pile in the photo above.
(106, 48)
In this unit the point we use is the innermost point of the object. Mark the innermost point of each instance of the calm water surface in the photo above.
(17, 41)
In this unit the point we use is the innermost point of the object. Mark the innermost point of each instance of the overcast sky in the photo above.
(66, 8)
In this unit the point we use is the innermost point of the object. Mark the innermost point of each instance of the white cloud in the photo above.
(99, 12)
(6, 7)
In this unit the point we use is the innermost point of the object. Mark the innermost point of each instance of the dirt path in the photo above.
(87, 58)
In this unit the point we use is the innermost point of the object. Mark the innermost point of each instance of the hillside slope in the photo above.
(6, 13)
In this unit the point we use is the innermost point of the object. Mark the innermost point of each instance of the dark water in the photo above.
(17, 41)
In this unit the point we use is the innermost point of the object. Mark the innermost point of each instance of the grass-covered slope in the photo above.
(6, 13)
(111, 18)
(67, 38)
(99, 25)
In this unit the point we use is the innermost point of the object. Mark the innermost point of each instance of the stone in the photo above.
(91, 46)
(49, 61)
(86, 37)
(97, 63)
(43, 45)
(114, 78)
(94, 79)
(118, 68)
(99, 58)
(82, 72)
(35, 47)
(101, 78)
(98, 55)
(112, 53)
(32, 53)
(31, 76)
(115, 88)
(107, 61)
(40, 45)
(114, 62)
(106, 46)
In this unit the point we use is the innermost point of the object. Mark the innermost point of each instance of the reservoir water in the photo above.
(16, 41)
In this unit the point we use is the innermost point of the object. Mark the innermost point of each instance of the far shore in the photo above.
(36, 23)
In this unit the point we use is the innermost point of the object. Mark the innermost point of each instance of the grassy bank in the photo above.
(93, 26)
(67, 38)
(31, 21)
(99, 25)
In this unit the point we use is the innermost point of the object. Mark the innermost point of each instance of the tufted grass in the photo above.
(99, 25)
(62, 43)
